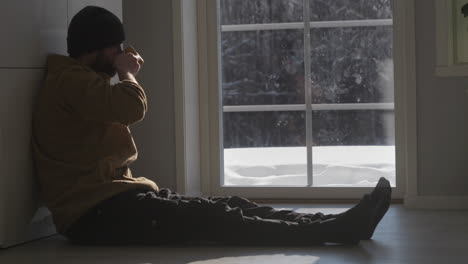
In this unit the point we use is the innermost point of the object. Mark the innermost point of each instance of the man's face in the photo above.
(105, 58)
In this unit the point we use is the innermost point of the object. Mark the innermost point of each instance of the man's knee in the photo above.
(241, 202)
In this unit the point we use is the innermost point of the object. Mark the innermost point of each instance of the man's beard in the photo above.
(102, 64)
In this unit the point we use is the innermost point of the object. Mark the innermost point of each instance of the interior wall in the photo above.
(29, 31)
(442, 109)
(148, 27)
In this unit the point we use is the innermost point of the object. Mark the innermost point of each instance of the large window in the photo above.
(307, 91)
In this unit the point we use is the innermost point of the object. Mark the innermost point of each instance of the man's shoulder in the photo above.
(59, 63)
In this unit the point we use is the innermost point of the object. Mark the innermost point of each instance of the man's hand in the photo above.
(125, 64)
(131, 50)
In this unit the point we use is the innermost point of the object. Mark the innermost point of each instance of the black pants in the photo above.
(165, 217)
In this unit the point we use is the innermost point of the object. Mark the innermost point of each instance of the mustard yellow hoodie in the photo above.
(81, 141)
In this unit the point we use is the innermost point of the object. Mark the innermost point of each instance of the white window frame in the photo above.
(201, 175)
(446, 41)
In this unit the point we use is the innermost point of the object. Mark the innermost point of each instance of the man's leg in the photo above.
(345, 227)
(216, 221)
(166, 217)
(221, 217)
(252, 209)
(380, 196)
(119, 220)
(253, 214)
(146, 218)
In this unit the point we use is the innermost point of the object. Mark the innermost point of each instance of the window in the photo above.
(268, 133)
(307, 111)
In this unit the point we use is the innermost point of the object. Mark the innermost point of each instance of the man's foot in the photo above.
(380, 197)
(360, 221)
(349, 227)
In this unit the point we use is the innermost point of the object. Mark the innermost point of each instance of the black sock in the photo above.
(352, 225)
(380, 197)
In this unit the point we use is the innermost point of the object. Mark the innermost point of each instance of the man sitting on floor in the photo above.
(83, 148)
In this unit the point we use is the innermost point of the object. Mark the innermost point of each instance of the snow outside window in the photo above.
(307, 92)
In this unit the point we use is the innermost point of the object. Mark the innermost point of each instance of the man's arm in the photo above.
(94, 98)
(127, 77)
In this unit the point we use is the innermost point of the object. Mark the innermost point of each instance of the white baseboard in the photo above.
(436, 202)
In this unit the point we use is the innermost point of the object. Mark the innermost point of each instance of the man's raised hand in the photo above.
(126, 63)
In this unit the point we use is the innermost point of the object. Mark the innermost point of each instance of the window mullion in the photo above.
(308, 92)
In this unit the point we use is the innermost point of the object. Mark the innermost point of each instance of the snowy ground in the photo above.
(334, 166)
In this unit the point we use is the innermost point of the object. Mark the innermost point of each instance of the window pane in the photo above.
(352, 65)
(352, 166)
(262, 67)
(260, 11)
(353, 148)
(265, 148)
(263, 129)
(275, 166)
(346, 128)
(334, 10)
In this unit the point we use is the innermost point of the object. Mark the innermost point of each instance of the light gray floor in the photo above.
(404, 236)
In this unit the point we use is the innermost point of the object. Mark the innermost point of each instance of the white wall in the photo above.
(27, 35)
(29, 30)
(148, 27)
(442, 110)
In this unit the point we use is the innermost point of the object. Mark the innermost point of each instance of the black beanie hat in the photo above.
(93, 28)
